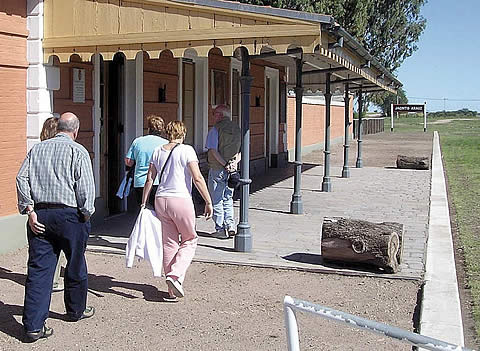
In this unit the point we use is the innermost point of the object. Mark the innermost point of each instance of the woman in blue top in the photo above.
(140, 153)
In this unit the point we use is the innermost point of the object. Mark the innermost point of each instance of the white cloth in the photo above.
(146, 241)
(177, 179)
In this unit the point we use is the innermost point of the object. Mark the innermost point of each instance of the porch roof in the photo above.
(187, 27)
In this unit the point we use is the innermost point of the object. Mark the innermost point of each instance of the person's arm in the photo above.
(129, 162)
(151, 175)
(215, 154)
(85, 189)
(23, 187)
(202, 187)
(130, 157)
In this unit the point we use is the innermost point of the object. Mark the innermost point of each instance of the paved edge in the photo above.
(440, 314)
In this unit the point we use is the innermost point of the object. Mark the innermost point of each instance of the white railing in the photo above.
(291, 304)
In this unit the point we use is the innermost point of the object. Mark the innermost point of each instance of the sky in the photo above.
(446, 66)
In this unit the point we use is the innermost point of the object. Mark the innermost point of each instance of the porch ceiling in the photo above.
(108, 27)
(194, 27)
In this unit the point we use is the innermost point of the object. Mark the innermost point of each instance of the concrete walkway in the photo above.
(441, 313)
(375, 193)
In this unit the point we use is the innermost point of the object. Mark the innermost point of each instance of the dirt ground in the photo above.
(225, 308)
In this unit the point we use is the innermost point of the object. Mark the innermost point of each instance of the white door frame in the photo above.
(236, 64)
(274, 76)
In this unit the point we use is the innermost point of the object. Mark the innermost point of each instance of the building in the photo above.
(115, 62)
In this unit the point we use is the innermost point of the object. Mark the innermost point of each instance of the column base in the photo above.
(296, 205)
(326, 185)
(243, 239)
(359, 164)
(346, 172)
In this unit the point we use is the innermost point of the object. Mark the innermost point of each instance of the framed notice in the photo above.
(78, 91)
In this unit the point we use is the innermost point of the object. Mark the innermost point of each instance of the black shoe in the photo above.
(89, 312)
(45, 332)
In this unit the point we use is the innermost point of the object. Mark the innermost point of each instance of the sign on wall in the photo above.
(78, 92)
(408, 108)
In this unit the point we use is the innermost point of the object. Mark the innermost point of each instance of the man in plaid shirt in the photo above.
(55, 188)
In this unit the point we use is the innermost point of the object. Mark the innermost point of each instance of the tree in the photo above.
(385, 99)
(388, 29)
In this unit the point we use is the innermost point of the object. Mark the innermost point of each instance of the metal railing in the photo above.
(291, 304)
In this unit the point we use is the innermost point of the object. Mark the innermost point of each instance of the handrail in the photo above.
(291, 304)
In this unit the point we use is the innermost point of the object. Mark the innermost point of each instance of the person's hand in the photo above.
(208, 211)
(37, 227)
(231, 165)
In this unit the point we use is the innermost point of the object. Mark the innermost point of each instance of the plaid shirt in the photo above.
(57, 171)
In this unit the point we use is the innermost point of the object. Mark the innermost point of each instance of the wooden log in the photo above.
(357, 241)
(413, 162)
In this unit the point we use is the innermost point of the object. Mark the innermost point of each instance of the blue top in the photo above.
(212, 139)
(141, 152)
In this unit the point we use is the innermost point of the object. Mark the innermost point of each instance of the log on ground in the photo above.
(356, 241)
(413, 162)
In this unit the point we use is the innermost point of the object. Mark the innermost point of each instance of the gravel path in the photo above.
(226, 308)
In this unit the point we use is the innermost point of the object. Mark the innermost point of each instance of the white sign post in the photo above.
(78, 91)
(425, 117)
(391, 117)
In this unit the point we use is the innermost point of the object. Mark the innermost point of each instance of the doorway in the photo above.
(112, 167)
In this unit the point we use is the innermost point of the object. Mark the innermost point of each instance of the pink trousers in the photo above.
(178, 218)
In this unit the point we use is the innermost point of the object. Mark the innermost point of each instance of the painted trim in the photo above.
(96, 115)
(180, 91)
(236, 64)
(274, 76)
(139, 94)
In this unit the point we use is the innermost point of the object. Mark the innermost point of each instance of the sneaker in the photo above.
(87, 313)
(220, 234)
(45, 332)
(175, 286)
(232, 231)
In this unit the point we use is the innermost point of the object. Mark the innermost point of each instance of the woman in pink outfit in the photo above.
(177, 166)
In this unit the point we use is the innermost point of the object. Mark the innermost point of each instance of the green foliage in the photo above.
(388, 29)
(384, 99)
(464, 112)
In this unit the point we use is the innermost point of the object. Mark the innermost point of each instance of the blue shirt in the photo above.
(212, 139)
(141, 152)
(57, 171)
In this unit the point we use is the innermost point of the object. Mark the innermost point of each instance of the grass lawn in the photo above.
(460, 144)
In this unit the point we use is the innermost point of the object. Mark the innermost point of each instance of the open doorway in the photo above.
(112, 166)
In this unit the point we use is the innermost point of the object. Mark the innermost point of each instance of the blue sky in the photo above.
(447, 62)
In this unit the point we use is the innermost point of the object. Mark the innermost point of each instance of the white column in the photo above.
(201, 101)
(97, 116)
(139, 94)
(42, 79)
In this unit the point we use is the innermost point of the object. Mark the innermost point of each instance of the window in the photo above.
(219, 88)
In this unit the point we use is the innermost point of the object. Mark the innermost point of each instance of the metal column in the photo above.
(243, 239)
(296, 205)
(326, 184)
(346, 146)
(359, 163)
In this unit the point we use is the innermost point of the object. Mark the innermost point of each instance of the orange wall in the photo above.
(13, 104)
(159, 73)
(63, 102)
(313, 127)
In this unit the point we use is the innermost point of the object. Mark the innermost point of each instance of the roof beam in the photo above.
(326, 70)
(347, 80)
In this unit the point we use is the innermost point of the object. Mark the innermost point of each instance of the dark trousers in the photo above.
(64, 231)
(151, 197)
